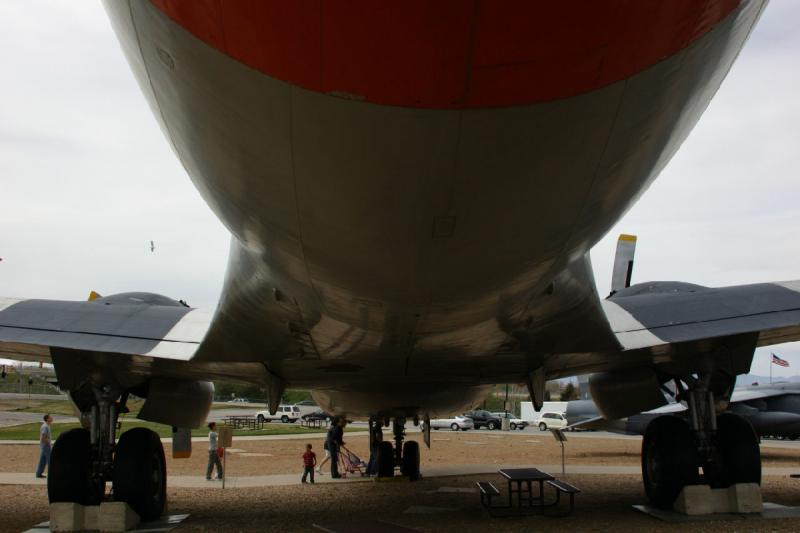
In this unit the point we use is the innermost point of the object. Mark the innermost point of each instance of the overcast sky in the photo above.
(87, 179)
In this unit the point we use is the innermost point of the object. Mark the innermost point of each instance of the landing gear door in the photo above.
(426, 431)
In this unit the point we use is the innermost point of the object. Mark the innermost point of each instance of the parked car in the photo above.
(513, 421)
(307, 407)
(319, 414)
(239, 400)
(285, 413)
(550, 420)
(455, 423)
(483, 418)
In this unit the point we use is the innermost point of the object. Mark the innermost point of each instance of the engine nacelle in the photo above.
(626, 392)
(177, 402)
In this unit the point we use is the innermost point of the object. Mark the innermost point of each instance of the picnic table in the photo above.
(243, 422)
(311, 422)
(526, 476)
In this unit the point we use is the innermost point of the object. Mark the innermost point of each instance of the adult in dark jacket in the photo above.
(374, 442)
(334, 442)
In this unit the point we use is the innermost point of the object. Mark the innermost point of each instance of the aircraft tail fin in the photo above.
(623, 263)
(94, 296)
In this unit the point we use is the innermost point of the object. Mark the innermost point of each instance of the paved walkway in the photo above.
(275, 480)
(168, 440)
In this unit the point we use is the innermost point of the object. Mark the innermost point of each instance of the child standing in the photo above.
(309, 462)
(213, 453)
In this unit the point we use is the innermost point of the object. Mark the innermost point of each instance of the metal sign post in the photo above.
(561, 438)
(225, 442)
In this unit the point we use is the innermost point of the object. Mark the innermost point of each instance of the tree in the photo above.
(569, 393)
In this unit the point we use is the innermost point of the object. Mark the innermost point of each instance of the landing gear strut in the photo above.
(674, 450)
(406, 456)
(83, 460)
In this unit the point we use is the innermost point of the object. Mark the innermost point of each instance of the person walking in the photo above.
(213, 452)
(44, 446)
(375, 441)
(309, 462)
(335, 442)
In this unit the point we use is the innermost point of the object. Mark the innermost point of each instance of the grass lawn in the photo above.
(54, 407)
(31, 431)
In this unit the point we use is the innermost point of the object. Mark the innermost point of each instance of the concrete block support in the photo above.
(695, 500)
(108, 516)
(66, 517)
(91, 517)
(117, 517)
(745, 498)
(702, 499)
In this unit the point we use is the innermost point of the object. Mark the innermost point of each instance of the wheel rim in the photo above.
(454, 427)
(652, 465)
(157, 478)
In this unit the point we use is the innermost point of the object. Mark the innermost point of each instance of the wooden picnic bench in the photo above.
(563, 486)
(488, 491)
(526, 476)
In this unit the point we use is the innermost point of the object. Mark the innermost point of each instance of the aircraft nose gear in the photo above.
(406, 456)
(83, 461)
(674, 449)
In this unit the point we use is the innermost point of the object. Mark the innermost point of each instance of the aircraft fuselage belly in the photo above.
(398, 245)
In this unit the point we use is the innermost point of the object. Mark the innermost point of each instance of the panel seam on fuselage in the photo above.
(320, 301)
(152, 87)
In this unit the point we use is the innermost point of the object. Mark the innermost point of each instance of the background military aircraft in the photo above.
(773, 410)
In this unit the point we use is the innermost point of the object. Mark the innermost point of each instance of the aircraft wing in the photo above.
(759, 392)
(29, 329)
(661, 314)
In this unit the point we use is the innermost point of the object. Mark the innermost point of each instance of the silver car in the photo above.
(457, 422)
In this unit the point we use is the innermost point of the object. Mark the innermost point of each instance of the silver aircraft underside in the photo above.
(401, 260)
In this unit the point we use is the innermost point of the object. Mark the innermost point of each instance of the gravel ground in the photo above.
(473, 447)
(604, 504)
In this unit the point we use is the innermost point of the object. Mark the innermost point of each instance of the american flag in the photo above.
(778, 361)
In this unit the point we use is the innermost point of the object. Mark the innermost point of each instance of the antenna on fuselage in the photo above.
(623, 263)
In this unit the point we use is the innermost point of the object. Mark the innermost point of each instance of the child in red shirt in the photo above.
(309, 462)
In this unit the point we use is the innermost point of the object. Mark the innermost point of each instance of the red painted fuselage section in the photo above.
(448, 54)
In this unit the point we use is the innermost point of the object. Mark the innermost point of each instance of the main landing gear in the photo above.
(83, 460)
(406, 456)
(675, 450)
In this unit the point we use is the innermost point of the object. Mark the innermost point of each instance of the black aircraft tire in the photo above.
(385, 459)
(69, 474)
(410, 467)
(737, 457)
(140, 473)
(669, 459)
